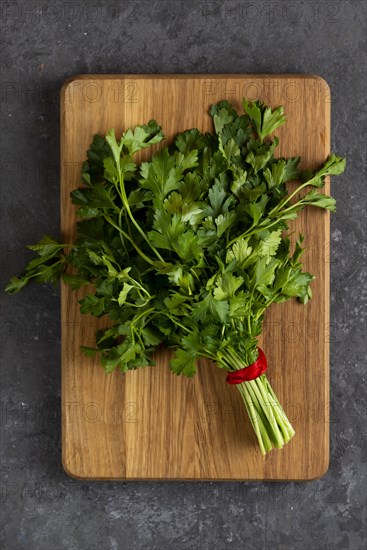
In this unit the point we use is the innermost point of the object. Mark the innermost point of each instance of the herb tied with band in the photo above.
(190, 248)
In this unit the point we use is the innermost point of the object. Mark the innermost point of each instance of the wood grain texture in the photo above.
(150, 424)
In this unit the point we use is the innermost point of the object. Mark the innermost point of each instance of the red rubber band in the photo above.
(249, 373)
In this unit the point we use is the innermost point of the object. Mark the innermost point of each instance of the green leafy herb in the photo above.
(189, 248)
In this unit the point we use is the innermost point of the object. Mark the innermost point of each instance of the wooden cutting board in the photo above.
(149, 423)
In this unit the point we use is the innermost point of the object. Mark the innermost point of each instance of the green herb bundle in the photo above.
(190, 248)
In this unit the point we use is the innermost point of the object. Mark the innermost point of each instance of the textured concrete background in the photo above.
(43, 44)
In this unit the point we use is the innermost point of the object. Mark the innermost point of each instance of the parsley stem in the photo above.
(253, 418)
(283, 202)
(253, 231)
(144, 313)
(192, 270)
(135, 305)
(250, 306)
(282, 419)
(140, 252)
(267, 408)
(269, 421)
(292, 207)
(120, 234)
(135, 223)
(261, 419)
(175, 321)
(249, 233)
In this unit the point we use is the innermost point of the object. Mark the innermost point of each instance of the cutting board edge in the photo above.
(319, 475)
(180, 76)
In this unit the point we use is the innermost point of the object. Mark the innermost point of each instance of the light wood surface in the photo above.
(149, 423)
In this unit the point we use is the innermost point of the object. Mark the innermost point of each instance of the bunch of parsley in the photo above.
(190, 248)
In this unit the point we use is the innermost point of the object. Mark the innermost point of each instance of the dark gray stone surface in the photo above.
(43, 44)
